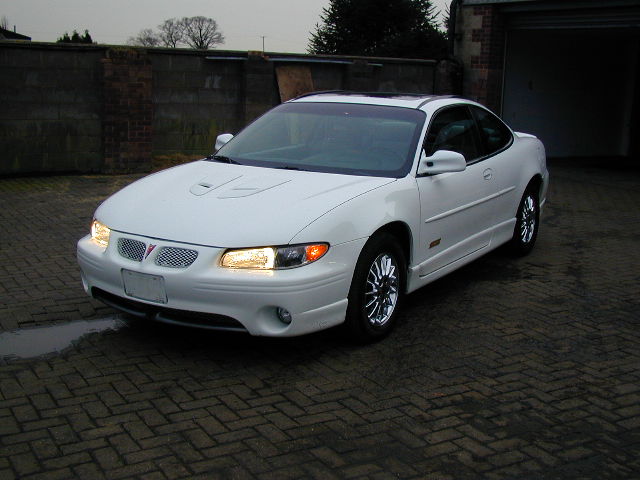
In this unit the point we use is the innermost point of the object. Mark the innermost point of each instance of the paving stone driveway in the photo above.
(523, 369)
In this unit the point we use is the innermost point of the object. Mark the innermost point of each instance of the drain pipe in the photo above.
(451, 28)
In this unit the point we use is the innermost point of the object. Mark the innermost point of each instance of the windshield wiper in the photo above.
(289, 167)
(223, 159)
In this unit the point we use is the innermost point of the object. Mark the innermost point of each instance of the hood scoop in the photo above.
(252, 186)
(209, 184)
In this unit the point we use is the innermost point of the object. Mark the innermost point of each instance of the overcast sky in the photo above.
(285, 24)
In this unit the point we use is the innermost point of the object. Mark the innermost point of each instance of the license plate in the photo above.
(144, 286)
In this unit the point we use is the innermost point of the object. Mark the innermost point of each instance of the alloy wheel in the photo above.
(528, 221)
(382, 290)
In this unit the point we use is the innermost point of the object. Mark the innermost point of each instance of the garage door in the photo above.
(571, 79)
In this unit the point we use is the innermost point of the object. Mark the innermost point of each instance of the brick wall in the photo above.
(479, 45)
(121, 110)
(128, 111)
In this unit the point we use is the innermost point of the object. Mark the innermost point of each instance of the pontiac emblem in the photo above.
(149, 250)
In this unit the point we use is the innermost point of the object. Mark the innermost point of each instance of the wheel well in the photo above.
(535, 184)
(402, 233)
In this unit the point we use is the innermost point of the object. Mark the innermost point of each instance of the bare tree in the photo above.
(171, 32)
(201, 32)
(145, 38)
(4, 22)
(198, 32)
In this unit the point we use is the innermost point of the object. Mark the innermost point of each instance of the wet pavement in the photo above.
(38, 341)
(525, 368)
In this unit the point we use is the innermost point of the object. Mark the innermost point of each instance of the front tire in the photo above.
(376, 290)
(525, 231)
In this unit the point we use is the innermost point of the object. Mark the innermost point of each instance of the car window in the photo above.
(345, 138)
(494, 134)
(453, 129)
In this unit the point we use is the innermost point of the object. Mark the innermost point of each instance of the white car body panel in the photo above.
(456, 217)
(443, 221)
(395, 202)
(247, 207)
(313, 295)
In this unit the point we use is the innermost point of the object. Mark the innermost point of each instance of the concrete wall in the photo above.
(120, 109)
(50, 109)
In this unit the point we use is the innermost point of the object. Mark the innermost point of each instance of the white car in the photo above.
(325, 210)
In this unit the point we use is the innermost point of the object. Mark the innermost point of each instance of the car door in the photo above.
(455, 214)
(495, 140)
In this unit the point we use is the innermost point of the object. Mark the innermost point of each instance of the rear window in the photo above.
(494, 134)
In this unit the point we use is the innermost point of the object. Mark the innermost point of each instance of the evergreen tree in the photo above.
(380, 28)
(75, 38)
(86, 38)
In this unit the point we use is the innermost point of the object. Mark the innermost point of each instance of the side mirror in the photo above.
(221, 140)
(442, 161)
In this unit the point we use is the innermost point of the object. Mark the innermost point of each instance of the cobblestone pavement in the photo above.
(523, 369)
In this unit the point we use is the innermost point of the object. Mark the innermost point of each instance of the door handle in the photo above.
(487, 174)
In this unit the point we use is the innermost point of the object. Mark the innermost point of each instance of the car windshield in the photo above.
(342, 138)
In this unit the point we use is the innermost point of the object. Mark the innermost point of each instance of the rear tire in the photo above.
(376, 289)
(525, 231)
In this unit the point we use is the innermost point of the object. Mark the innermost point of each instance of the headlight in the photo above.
(270, 258)
(100, 233)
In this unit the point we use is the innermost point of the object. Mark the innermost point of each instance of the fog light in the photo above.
(284, 315)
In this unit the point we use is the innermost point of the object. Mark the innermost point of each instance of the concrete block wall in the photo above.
(260, 87)
(328, 76)
(416, 76)
(194, 100)
(50, 109)
(118, 110)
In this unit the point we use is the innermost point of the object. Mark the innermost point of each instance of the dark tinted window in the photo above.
(453, 129)
(494, 134)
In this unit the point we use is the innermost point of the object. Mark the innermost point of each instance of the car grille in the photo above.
(131, 249)
(176, 257)
(171, 257)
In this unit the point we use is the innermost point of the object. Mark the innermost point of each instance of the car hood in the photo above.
(227, 205)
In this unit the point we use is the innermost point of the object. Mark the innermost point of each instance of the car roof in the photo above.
(406, 100)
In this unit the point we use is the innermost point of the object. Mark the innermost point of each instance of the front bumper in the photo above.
(315, 294)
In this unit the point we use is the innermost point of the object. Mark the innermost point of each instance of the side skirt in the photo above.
(501, 234)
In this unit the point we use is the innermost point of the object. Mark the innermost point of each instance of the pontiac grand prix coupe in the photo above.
(326, 210)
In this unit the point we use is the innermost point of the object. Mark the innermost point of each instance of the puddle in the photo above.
(37, 341)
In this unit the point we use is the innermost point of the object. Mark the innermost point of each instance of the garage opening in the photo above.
(571, 78)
